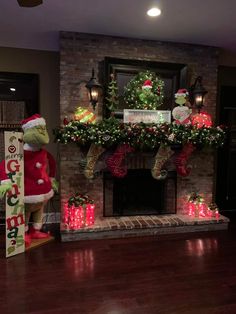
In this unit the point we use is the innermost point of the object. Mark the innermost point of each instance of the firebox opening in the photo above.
(138, 193)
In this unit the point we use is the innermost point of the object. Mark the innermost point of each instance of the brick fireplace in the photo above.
(82, 52)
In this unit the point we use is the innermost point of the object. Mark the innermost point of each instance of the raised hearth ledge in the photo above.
(134, 226)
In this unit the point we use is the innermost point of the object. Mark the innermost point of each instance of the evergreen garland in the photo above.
(141, 136)
(138, 98)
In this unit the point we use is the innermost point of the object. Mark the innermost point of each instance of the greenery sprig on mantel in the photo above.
(110, 132)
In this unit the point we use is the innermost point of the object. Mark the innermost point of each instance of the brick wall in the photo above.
(79, 53)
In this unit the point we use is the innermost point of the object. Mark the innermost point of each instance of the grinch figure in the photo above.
(147, 96)
(144, 91)
(39, 173)
(181, 113)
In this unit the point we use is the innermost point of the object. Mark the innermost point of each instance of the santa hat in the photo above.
(147, 84)
(33, 121)
(181, 92)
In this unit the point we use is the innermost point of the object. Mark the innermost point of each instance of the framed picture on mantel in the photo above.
(147, 116)
(174, 76)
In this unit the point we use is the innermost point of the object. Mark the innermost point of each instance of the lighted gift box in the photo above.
(78, 212)
(197, 207)
(213, 211)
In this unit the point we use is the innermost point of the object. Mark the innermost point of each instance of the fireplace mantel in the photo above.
(141, 136)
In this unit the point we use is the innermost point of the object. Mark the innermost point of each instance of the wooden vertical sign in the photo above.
(15, 212)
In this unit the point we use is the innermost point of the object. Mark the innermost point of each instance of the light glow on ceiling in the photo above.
(154, 12)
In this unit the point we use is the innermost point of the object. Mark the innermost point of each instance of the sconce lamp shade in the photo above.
(94, 90)
(197, 93)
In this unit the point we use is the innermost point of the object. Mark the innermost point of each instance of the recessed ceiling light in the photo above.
(12, 89)
(154, 12)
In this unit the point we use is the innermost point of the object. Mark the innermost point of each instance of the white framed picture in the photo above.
(147, 116)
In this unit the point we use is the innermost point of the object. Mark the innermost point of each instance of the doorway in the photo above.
(226, 165)
(19, 98)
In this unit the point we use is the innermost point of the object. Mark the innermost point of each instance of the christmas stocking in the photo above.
(163, 154)
(182, 158)
(93, 154)
(115, 163)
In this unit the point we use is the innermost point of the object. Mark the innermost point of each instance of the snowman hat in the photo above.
(147, 84)
(181, 92)
(33, 121)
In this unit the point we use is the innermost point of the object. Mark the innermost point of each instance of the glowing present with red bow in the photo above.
(202, 119)
(78, 212)
(196, 205)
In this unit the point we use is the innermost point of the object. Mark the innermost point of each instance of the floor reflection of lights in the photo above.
(80, 263)
(116, 306)
(200, 247)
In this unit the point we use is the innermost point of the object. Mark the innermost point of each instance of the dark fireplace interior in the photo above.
(138, 193)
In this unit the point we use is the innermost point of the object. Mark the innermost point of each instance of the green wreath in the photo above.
(144, 91)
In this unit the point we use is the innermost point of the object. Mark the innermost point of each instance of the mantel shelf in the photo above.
(110, 133)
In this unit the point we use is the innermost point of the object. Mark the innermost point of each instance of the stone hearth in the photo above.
(116, 227)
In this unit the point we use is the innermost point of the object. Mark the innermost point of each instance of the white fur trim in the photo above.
(31, 148)
(33, 123)
(5, 181)
(38, 198)
(38, 165)
(147, 87)
(181, 94)
(40, 181)
(37, 225)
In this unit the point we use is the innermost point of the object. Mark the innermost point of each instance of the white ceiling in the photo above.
(208, 22)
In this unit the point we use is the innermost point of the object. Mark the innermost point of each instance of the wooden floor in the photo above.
(186, 273)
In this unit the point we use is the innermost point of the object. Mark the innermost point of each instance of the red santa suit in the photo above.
(39, 170)
(3, 176)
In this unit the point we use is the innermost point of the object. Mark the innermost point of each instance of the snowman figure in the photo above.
(181, 113)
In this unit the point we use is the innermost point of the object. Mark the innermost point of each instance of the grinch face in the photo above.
(180, 100)
(37, 135)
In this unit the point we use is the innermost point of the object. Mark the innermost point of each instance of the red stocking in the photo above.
(182, 158)
(115, 163)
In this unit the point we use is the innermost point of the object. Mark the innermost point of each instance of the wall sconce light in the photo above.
(197, 94)
(94, 89)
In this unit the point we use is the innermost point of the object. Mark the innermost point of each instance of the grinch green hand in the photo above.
(55, 185)
(5, 188)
